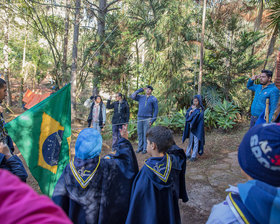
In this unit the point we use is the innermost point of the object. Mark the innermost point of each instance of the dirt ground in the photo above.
(206, 179)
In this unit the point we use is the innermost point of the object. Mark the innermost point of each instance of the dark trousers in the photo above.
(116, 135)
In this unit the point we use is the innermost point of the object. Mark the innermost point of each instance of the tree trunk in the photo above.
(6, 56)
(65, 44)
(23, 67)
(101, 33)
(138, 64)
(74, 60)
(271, 45)
(258, 22)
(201, 48)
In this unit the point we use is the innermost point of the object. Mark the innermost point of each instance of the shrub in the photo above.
(223, 115)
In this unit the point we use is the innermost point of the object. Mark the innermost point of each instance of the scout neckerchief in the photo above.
(160, 170)
(83, 176)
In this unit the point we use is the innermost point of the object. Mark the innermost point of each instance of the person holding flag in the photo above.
(42, 135)
(8, 160)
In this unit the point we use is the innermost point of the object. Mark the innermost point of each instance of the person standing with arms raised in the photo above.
(265, 90)
(147, 115)
(120, 116)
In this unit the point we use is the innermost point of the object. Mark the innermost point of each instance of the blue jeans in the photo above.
(143, 124)
(96, 126)
(116, 135)
(193, 143)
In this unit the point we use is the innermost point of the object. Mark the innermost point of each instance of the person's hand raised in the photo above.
(254, 77)
(124, 132)
(4, 149)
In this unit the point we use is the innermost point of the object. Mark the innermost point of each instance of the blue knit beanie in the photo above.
(88, 144)
(259, 153)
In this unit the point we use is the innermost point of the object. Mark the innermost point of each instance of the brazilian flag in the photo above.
(42, 135)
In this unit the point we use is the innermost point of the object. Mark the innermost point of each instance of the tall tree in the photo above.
(65, 41)
(74, 59)
(6, 23)
(102, 9)
(201, 47)
(49, 25)
(258, 20)
(274, 26)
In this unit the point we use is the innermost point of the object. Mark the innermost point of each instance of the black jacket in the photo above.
(123, 116)
(89, 120)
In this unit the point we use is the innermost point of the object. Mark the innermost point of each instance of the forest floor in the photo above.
(206, 178)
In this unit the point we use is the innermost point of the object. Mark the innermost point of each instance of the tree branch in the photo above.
(111, 3)
(112, 9)
(92, 4)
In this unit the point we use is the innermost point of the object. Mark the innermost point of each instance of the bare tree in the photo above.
(74, 59)
(65, 41)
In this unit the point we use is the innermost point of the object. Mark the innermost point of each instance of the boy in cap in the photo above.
(257, 200)
(93, 189)
(147, 115)
(160, 183)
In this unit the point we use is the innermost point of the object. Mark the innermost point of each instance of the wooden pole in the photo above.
(267, 110)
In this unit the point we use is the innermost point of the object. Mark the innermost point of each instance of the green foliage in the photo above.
(211, 95)
(132, 130)
(222, 115)
(228, 54)
(210, 119)
(175, 121)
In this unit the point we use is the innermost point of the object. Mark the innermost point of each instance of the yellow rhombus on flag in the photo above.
(42, 135)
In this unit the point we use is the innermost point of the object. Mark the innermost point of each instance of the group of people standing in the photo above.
(111, 189)
(147, 115)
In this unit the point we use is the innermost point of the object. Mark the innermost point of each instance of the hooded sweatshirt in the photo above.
(251, 202)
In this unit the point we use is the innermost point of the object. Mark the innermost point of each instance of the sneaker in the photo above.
(139, 150)
(144, 151)
(192, 159)
(188, 157)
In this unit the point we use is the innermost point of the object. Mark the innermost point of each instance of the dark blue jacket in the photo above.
(14, 165)
(195, 124)
(148, 106)
(120, 116)
(99, 192)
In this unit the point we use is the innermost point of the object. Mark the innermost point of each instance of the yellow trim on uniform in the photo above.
(83, 183)
(163, 177)
(238, 209)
